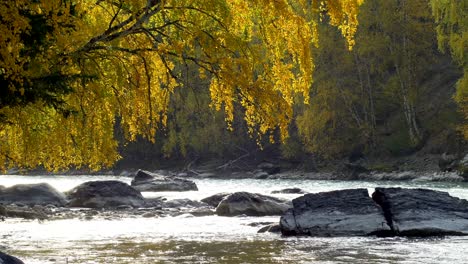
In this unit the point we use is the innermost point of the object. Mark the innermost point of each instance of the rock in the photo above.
(273, 228)
(154, 202)
(7, 259)
(215, 199)
(251, 204)
(202, 211)
(183, 203)
(124, 207)
(149, 215)
(352, 171)
(463, 168)
(290, 191)
(104, 194)
(256, 224)
(144, 176)
(261, 175)
(269, 168)
(448, 162)
(32, 194)
(422, 212)
(23, 212)
(335, 213)
(145, 181)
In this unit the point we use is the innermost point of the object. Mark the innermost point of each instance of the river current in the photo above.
(214, 239)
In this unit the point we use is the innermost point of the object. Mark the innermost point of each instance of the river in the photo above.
(213, 239)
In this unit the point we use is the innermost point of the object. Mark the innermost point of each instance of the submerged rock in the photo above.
(183, 203)
(290, 191)
(251, 204)
(422, 212)
(272, 228)
(37, 212)
(145, 181)
(32, 194)
(335, 213)
(7, 259)
(104, 194)
(215, 199)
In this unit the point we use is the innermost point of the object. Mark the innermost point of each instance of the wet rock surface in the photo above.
(104, 194)
(290, 191)
(32, 194)
(272, 228)
(215, 199)
(145, 181)
(7, 259)
(251, 204)
(336, 213)
(423, 212)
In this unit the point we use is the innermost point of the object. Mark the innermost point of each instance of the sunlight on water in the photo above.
(213, 239)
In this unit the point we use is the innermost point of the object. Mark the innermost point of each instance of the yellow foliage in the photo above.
(121, 57)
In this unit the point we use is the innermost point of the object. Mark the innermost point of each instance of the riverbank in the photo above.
(408, 168)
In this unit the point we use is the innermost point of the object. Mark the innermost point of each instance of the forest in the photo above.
(86, 84)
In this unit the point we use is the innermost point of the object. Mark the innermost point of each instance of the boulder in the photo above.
(32, 194)
(104, 194)
(7, 259)
(215, 199)
(448, 162)
(145, 181)
(269, 168)
(335, 213)
(144, 176)
(251, 204)
(422, 212)
(290, 191)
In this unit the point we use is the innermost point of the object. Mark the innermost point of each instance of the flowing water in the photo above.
(213, 239)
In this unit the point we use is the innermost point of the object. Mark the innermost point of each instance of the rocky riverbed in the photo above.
(252, 205)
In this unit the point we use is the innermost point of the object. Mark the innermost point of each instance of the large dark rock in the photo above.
(32, 194)
(104, 194)
(422, 212)
(252, 204)
(335, 213)
(7, 259)
(215, 199)
(145, 181)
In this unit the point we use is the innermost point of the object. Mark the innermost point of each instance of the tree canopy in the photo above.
(73, 71)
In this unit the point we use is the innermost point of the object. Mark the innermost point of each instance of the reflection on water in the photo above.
(254, 250)
(213, 239)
